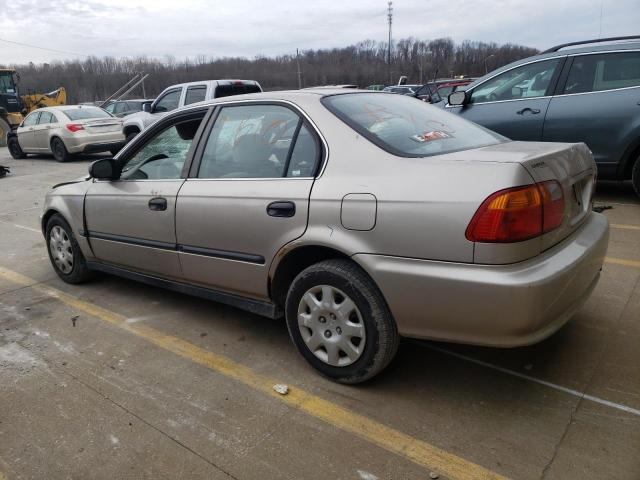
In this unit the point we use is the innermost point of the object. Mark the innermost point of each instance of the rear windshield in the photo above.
(408, 127)
(85, 113)
(228, 90)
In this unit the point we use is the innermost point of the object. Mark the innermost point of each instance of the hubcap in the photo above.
(60, 248)
(331, 325)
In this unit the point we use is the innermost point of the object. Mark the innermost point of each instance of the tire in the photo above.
(15, 150)
(130, 136)
(59, 150)
(5, 128)
(369, 322)
(635, 176)
(64, 252)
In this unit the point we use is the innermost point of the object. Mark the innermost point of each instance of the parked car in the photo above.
(66, 130)
(183, 94)
(122, 108)
(376, 87)
(402, 89)
(359, 216)
(578, 92)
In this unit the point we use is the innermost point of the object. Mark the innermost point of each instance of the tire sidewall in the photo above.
(299, 287)
(14, 148)
(78, 259)
(635, 176)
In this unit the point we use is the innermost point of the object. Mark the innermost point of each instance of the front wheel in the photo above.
(339, 321)
(15, 150)
(59, 150)
(64, 252)
(635, 176)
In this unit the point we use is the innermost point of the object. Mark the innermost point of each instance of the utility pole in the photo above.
(299, 72)
(390, 19)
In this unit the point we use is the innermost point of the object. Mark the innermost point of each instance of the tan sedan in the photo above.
(65, 130)
(361, 217)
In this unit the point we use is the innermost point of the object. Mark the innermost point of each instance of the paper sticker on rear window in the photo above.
(430, 136)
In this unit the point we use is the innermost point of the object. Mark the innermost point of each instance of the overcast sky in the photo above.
(186, 28)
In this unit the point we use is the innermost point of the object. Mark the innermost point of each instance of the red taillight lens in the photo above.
(517, 214)
(74, 127)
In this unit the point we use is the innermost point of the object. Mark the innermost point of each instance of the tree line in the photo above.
(362, 64)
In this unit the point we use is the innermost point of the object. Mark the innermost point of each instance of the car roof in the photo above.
(564, 52)
(224, 81)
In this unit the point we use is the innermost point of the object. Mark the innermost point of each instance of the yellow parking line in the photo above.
(623, 226)
(410, 448)
(622, 261)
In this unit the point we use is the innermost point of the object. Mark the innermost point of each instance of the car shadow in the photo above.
(77, 158)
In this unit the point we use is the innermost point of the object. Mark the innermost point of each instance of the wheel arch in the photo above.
(628, 160)
(294, 260)
(131, 129)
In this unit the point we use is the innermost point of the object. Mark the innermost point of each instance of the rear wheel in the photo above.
(635, 176)
(64, 252)
(15, 150)
(130, 136)
(339, 321)
(59, 150)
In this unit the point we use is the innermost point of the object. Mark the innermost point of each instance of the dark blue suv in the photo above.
(569, 93)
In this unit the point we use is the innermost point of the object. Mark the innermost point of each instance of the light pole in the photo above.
(390, 19)
(485, 63)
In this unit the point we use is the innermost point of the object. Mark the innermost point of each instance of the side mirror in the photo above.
(146, 107)
(458, 98)
(104, 169)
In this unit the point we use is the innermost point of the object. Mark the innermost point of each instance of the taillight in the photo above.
(74, 127)
(517, 214)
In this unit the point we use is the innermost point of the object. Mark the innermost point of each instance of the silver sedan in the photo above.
(66, 130)
(360, 217)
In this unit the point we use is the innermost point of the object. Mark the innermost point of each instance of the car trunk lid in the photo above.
(102, 125)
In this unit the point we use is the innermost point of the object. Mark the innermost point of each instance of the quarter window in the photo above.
(163, 156)
(195, 94)
(305, 155)
(252, 141)
(593, 73)
(528, 81)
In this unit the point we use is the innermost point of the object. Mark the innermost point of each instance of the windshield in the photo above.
(407, 127)
(84, 113)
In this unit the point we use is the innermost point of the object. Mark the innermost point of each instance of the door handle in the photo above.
(535, 111)
(158, 204)
(281, 209)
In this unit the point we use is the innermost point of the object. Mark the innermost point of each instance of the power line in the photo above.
(43, 48)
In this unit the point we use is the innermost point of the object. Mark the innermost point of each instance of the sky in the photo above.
(215, 28)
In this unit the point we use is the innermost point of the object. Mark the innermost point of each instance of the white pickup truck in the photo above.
(183, 94)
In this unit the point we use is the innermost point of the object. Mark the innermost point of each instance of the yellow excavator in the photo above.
(14, 107)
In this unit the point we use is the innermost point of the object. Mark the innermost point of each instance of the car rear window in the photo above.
(85, 113)
(408, 127)
(235, 89)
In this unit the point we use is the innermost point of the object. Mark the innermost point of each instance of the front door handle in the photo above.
(281, 209)
(535, 111)
(158, 204)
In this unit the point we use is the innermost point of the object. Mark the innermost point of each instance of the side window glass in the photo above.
(593, 73)
(250, 141)
(195, 94)
(527, 81)
(31, 119)
(163, 156)
(169, 101)
(45, 117)
(304, 157)
(109, 108)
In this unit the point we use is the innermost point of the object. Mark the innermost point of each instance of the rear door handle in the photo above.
(535, 111)
(281, 209)
(158, 204)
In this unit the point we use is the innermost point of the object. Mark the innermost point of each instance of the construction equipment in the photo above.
(14, 107)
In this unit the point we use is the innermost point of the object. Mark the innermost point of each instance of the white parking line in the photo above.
(21, 226)
(570, 391)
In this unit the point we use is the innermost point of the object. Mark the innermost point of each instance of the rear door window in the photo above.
(45, 117)
(251, 141)
(195, 94)
(405, 127)
(607, 71)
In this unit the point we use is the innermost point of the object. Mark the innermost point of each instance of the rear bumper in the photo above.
(493, 305)
(91, 143)
(102, 147)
